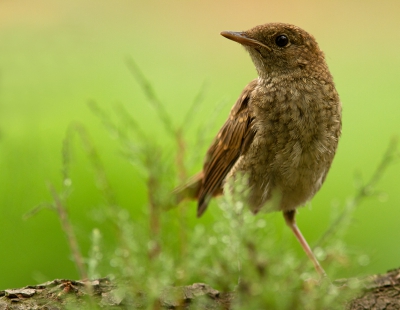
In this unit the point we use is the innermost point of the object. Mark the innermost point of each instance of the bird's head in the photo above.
(278, 48)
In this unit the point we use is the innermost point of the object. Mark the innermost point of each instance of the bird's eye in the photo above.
(282, 40)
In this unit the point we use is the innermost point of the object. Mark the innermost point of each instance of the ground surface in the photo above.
(380, 292)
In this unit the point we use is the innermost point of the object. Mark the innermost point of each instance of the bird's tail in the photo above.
(190, 190)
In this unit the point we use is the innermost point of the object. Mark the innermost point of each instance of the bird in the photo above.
(281, 134)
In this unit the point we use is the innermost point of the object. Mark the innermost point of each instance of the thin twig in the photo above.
(36, 210)
(106, 120)
(198, 99)
(204, 131)
(180, 155)
(367, 190)
(151, 96)
(127, 118)
(68, 230)
(95, 160)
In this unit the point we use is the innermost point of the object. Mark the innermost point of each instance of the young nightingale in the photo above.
(282, 132)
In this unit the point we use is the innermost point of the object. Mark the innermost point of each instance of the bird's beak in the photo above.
(241, 38)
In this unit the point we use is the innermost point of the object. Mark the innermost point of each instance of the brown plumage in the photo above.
(282, 132)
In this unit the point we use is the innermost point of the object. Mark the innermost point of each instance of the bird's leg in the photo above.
(290, 221)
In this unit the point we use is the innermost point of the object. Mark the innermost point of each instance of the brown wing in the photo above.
(232, 141)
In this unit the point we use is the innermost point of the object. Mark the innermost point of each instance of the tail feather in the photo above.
(202, 205)
(191, 191)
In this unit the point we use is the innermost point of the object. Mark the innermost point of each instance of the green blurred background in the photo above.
(55, 56)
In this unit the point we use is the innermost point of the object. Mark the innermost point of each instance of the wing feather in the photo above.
(233, 140)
